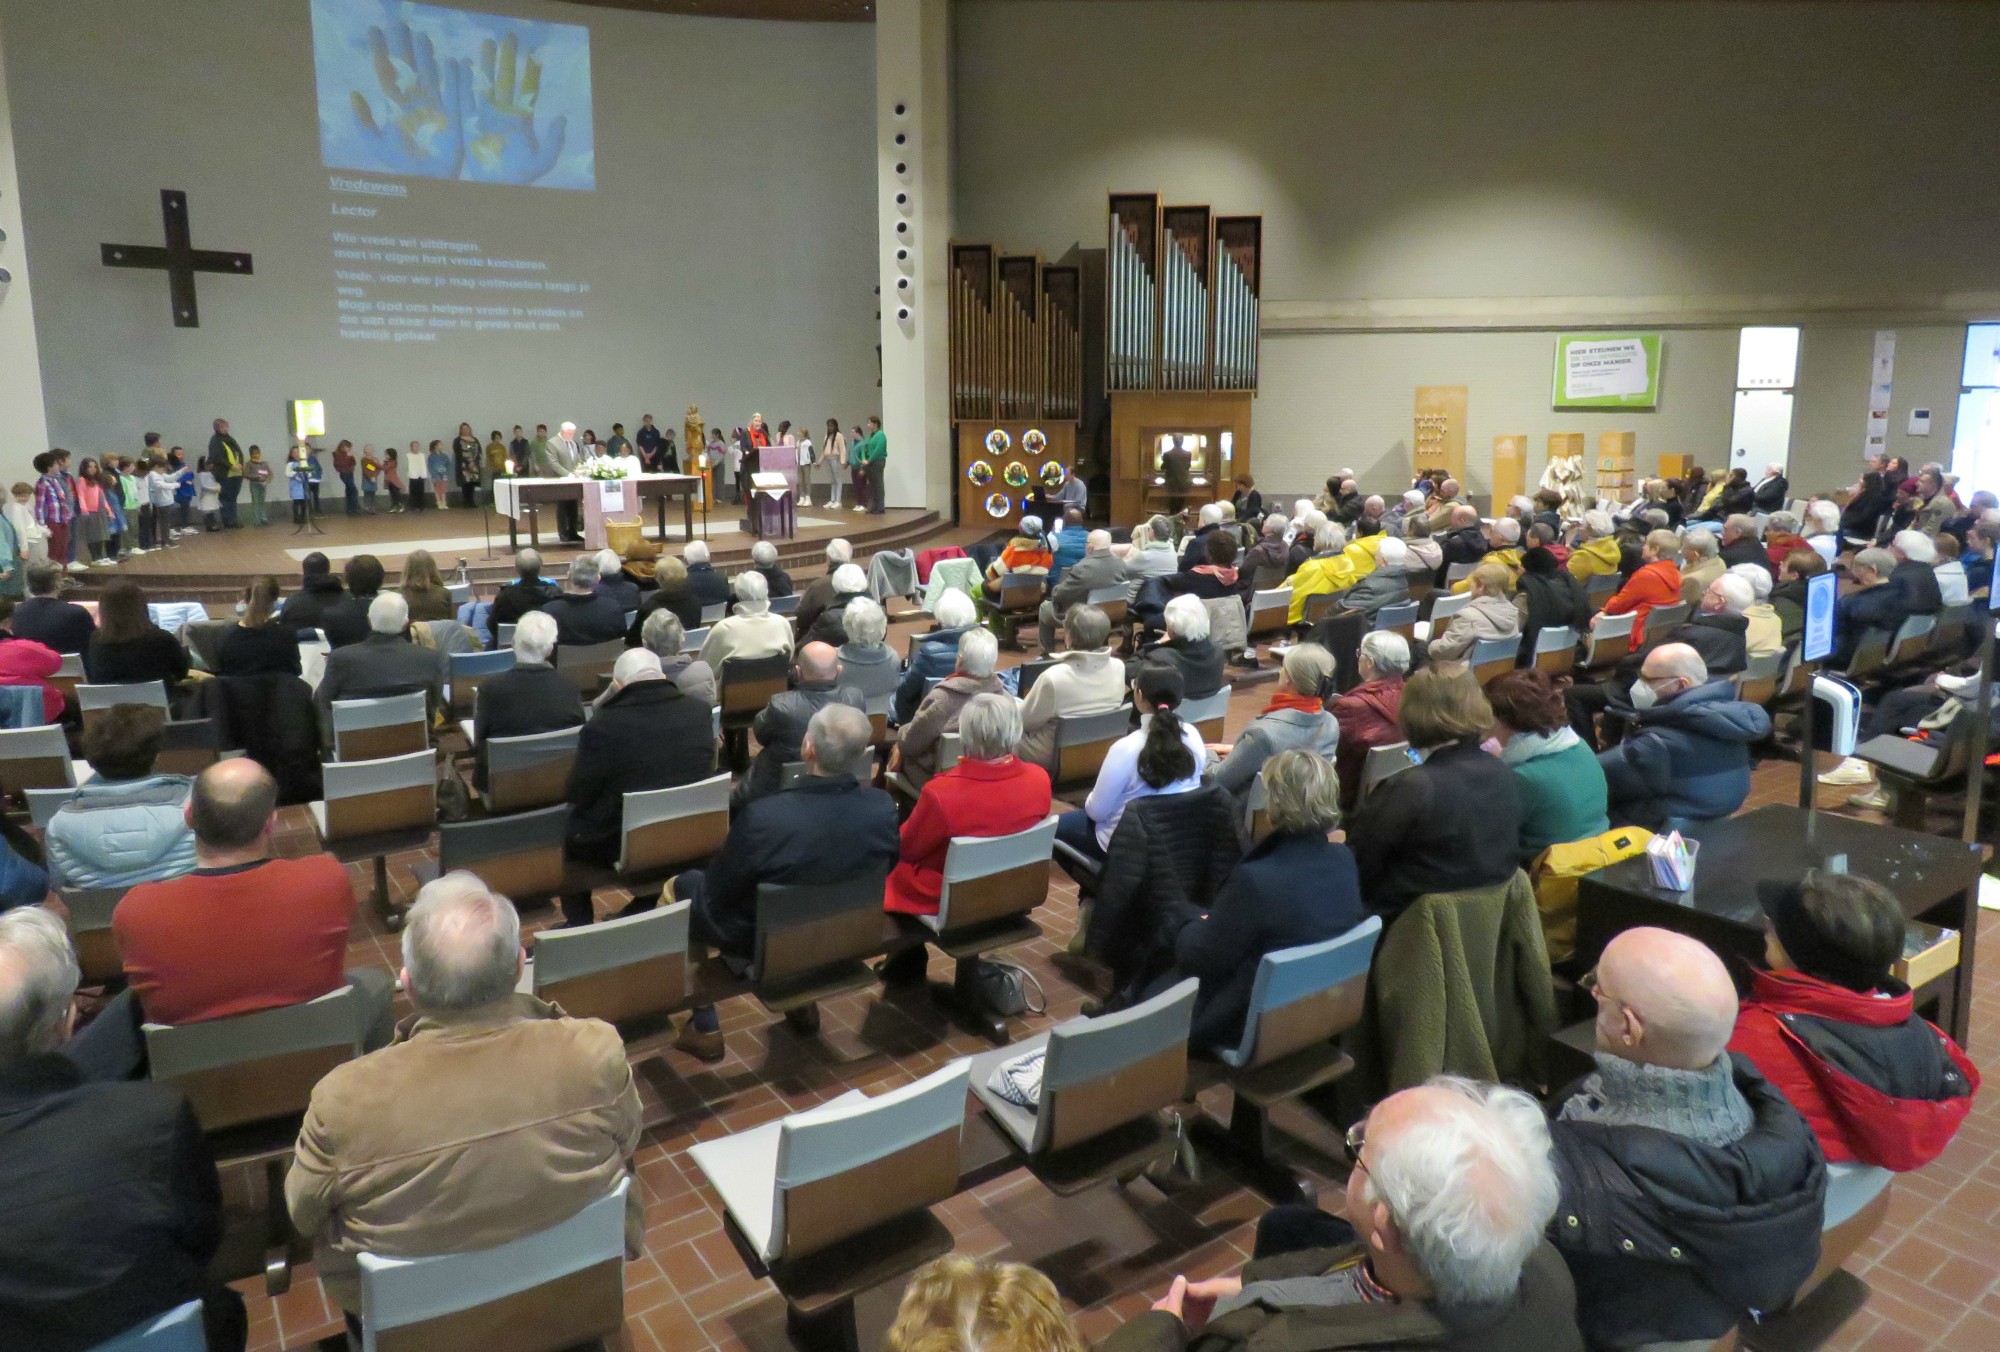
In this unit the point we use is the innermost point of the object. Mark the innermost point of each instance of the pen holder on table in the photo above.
(1672, 861)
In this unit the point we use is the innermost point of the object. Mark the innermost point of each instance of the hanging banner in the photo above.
(1881, 377)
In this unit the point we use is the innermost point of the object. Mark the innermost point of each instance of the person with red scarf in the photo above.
(1831, 1028)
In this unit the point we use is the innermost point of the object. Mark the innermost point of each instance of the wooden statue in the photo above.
(695, 430)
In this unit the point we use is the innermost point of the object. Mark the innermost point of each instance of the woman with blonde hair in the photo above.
(1489, 614)
(423, 588)
(960, 1304)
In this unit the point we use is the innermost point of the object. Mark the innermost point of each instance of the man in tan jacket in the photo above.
(491, 1116)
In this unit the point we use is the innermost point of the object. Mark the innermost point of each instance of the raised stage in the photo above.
(214, 568)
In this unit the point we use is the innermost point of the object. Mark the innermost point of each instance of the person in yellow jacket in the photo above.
(1328, 570)
(1503, 536)
(1596, 552)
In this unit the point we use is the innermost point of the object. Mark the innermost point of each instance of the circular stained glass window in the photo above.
(1033, 442)
(1016, 475)
(997, 441)
(980, 473)
(1052, 475)
(999, 505)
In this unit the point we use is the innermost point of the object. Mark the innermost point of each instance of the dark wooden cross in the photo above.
(180, 259)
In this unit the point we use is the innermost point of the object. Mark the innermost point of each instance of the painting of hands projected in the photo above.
(425, 91)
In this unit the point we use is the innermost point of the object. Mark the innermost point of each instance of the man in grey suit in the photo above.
(383, 664)
(1097, 569)
(557, 458)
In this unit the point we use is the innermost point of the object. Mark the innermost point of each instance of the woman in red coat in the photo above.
(26, 662)
(1830, 1027)
(1657, 582)
(990, 792)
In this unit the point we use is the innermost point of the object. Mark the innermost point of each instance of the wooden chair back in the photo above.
(1398, 619)
(1555, 650)
(1305, 996)
(1913, 637)
(1082, 740)
(718, 611)
(1757, 683)
(1207, 713)
(371, 797)
(990, 878)
(1270, 610)
(35, 758)
(1662, 620)
(1610, 641)
(1445, 605)
(1492, 656)
(672, 828)
(68, 676)
(1021, 592)
(530, 771)
(1383, 762)
(805, 930)
(90, 934)
(255, 1067)
(518, 857)
(469, 670)
(1104, 1072)
(746, 684)
(1113, 602)
(95, 700)
(615, 970)
(587, 664)
(187, 747)
(375, 729)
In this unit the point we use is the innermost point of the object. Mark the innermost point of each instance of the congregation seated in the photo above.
(1027, 552)
(1596, 552)
(1086, 679)
(961, 1304)
(1953, 589)
(867, 662)
(1449, 824)
(1426, 554)
(670, 593)
(583, 614)
(1194, 549)
(1325, 570)
(1367, 714)
(528, 591)
(1739, 543)
(1165, 756)
(1701, 564)
(1387, 585)
(1268, 561)
(650, 734)
(1838, 1035)
(1788, 597)
(259, 643)
(780, 726)
(1781, 537)
(830, 627)
(819, 593)
(1293, 887)
(1463, 539)
(1763, 632)
(1692, 1191)
(1731, 497)
(1489, 614)
(990, 792)
(1438, 1244)
(1503, 547)
(1718, 629)
(1874, 603)
(827, 828)
(916, 751)
(126, 825)
(764, 561)
(128, 648)
(409, 1151)
(1067, 543)
(1822, 527)
(1215, 577)
(1151, 553)
(1561, 786)
(934, 656)
(1548, 596)
(1687, 755)
(622, 591)
(319, 589)
(661, 635)
(25, 661)
(116, 1210)
(1915, 574)
(751, 630)
(1295, 719)
(1656, 582)
(1768, 493)
(1188, 648)
(529, 697)
(346, 620)
(62, 626)
(388, 662)
(1095, 569)
(707, 586)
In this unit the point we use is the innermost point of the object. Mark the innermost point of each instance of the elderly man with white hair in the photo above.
(829, 626)
(385, 663)
(1194, 548)
(764, 559)
(1097, 570)
(125, 1210)
(974, 657)
(1692, 1191)
(650, 734)
(819, 593)
(703, 582)
(583, 614)
(612, 581)
(1687, 758)
(556, 457)
(829, 827)
(933, 655)
(529, 697)
(1268, 562)
(780, 726)
(1822, 527)
(410, 1151)
(1188, 648)
(1915, 574)
(1388, 585)
(528, 591)
(752, 630)
(1740, 544)
(1438, 1242)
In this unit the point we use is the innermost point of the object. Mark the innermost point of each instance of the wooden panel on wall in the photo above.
(1437, 450)
(992, 453)
(1139, 418)
(1676, 466)
(1510, 467)
(1617, 464)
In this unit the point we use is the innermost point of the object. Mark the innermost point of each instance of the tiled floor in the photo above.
(1933, 1266)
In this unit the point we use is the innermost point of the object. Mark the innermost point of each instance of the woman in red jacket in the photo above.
(990, 792)
(26, 662)
(1831, 1028)
(1657, 582)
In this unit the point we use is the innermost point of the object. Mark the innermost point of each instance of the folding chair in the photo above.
(68, 676)
(1913, 637)
(1457, 573)
(1871, 654)
(1019, 602)
(1609, 642)
(187, 747)
(518, 857)
(1256, 810)
(1031, 671)
(1082, 740)
(1600, 588)
(1443, 606)
(1661, 621)
(1301, 1000)
(664, 830)
(587, 664)
(90, 911)
(529, 771)
(459, 592)
(1555, 650)
(1270, 611)
(178, 1330)
(810, 942)
(1115, 604)
(618, 970)
(1398, 619)
(718, 611)
(1105, 1082)
(553, 1289)
(468, 671)
(992, 884)
(1798, 674)
(786, 605)
(1207, 714)
(836, 1200)
(1757, 683)
(376, 808)
(373, 729)
(97, 699)
(38, 758)
(43, 804)
(743, 687)
(1384, 762)
(1492, 656)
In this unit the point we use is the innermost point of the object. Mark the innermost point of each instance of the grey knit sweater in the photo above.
(1702, 1105)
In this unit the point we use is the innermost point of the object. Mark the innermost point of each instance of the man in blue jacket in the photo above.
(1688, 755)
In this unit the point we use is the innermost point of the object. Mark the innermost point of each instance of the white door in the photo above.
(1761, 432)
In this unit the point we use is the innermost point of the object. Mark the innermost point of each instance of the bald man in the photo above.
(1097, 569)
(246, 930)
(1687, 757)
(1692, 1192)
(780, 728)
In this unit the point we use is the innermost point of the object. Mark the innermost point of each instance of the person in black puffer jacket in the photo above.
(1692, 1192)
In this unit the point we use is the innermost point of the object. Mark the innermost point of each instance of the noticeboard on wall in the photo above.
(1607, 370)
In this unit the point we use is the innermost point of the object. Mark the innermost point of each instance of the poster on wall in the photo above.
(1881, 379)
(1607, 370)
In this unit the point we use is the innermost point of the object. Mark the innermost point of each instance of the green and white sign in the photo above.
(1607, 370)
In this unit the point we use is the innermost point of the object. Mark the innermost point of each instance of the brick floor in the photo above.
(1933, 1266)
